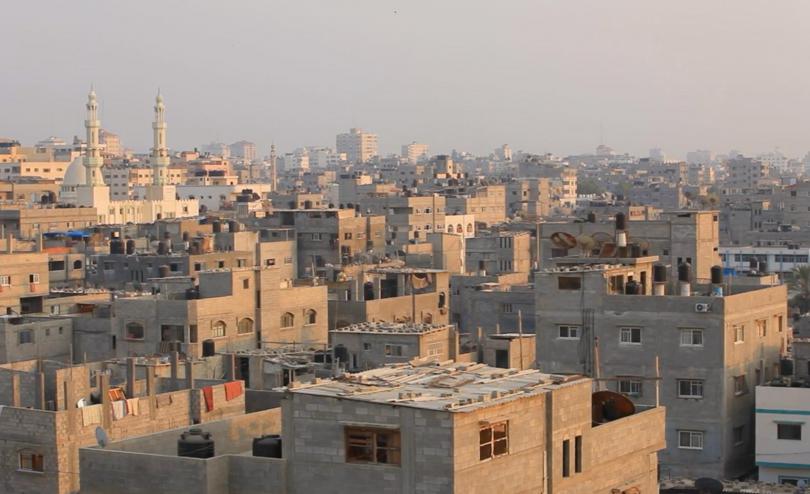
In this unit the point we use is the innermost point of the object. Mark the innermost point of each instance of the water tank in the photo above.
(786, 367)
(717, 275)
(195, 444)
(186, 236)
(621, 222)
(659, 273)
(209, 348)
(217, 226)
(268, 446)
(162, 248)
(635, 250)
(632, 287)
(763, 267)
(591, 217)
(163, 271)
(685, 272)
(116, 246)
(130, 247)
(233, 226)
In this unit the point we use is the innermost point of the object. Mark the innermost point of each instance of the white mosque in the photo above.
(83, 184)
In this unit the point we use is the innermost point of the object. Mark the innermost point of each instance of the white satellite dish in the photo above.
(101, 437)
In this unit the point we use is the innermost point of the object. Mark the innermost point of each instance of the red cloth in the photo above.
(233, 390)
(208, 394)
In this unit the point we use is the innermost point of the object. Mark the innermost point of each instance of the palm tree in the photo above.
(800, 283)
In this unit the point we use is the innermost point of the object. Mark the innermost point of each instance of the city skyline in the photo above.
(465, 76)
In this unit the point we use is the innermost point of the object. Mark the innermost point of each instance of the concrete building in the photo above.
(710, 351)
(745, 175)
(29, 221)
(244, 150)
(359, 146)
(529, 198)
(782, 442)
(457, 428)
(367, 346)
(407, 217)
(415, 152)
(487, 203)
(50, 410)
(30, 337)
(492, 302)
(497, 252)
(24, 281)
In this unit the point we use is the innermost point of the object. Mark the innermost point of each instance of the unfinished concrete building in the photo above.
(50, 410)
(370, 345)
(619, 318)
(497, 252)
(457, 428)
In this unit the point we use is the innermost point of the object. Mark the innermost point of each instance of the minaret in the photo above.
(160, 153)
(92, 158)
(273, 161)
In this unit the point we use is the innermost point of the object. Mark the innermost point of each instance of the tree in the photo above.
(800, 283)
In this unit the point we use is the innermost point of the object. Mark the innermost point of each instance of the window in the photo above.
(270, 262)
(493, 440)
(566, 458)
(198, 266)
(218, 329)
(246, 283)
(220, 264)
(779, 323)
(630, 387)
(366, 346)
(788, 431)
(392, 350)
(5, 280)
(691, 337)
(690, 388)
(507, 308)
(288, 260)
(245, 326)
(569, 283)
(738, 435)
(739, 333)
(569, 332)
(690, 439)
(578, 454)
(25, 336)
(134, 331)
(287, 320)
(311, 317)
(762, 327)
(630, 336)
(241, 263)
(33, 278)
(56, 265)
(77, 264)
(740, 386)
(365, 445)
(31, 462)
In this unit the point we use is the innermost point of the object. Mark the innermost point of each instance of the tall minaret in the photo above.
(160, 153)
(273, 165)
(92, 158)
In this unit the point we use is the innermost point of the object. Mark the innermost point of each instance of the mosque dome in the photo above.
(75, 174)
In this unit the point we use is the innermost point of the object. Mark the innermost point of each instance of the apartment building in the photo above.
(486, 202)
(782, 453)
(709, 346)
(497, 252)
(529, 198)
(359, 146)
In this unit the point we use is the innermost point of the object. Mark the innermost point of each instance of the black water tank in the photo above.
(786, 367)
(632, 287)
(130, 247)
(717, 275)
(217, 226)
(591, 217)
(162, 249)
(186, 236)
(685, 272)
(116, 246)
(621, 222)
(163, 271)
(660, 273)
(233, 226)
(209, 348)
(268, 446)
(635, 250)
(195, 444)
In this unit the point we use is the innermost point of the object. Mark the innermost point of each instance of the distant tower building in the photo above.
(92, 158)
(111, 143)
(415, 152)
(243, 149)
(273, 167)
(160, 153)
(358, 145)
(504, 153)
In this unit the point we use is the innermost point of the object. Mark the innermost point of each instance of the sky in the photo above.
(558, 76)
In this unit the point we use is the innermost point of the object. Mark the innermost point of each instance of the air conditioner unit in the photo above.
(702, 307)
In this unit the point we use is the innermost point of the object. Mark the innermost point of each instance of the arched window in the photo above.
(134, 331)
(469, 228)
(442, 300)
(287, 320)
(311, 316)
(218, 329)
(459, 228)
(77, 264)
(245, 326)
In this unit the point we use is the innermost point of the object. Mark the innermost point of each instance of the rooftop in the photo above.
(390, 327)
(448, 386)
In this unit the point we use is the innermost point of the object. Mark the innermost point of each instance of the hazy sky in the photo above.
(464, 74)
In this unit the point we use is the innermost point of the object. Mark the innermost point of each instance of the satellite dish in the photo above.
(101, 437)
(706, 485)
(601, 238)
(608, 250)
(563, 240)
(586, 243)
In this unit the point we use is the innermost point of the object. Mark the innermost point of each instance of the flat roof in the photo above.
(390, 328)
(446, 386)
(405, 270)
